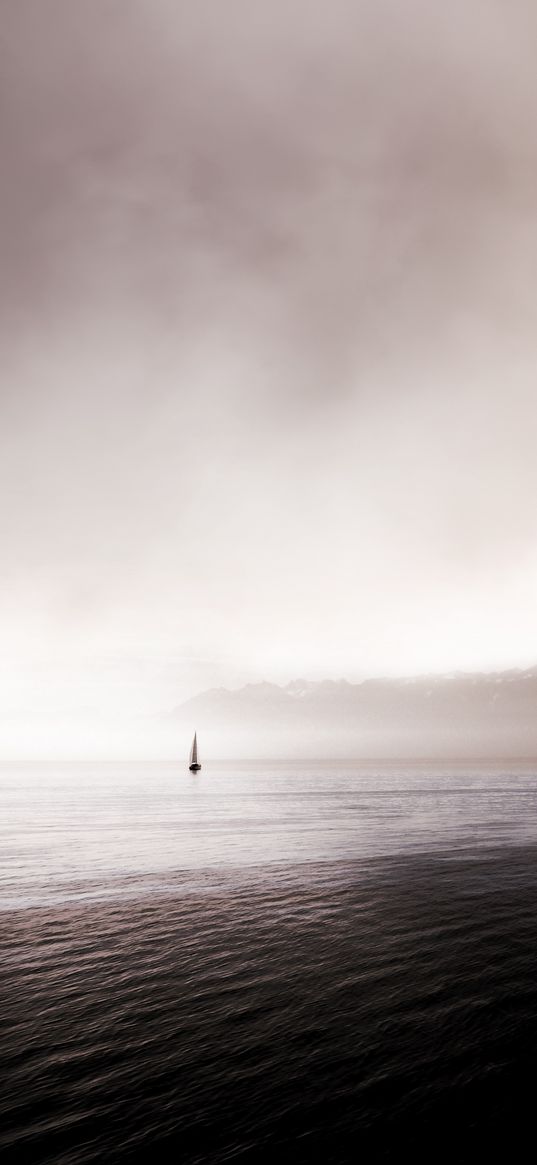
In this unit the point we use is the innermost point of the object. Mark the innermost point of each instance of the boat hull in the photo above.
(194, 768)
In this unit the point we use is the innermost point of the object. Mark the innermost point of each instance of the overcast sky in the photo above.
(268, 342)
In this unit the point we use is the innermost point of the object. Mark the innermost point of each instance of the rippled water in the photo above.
(321, 962)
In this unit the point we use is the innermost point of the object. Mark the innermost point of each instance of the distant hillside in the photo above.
(454, 715)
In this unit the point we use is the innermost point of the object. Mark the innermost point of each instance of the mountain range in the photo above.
(458, 715)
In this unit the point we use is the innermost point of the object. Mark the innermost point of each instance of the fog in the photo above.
(268, 351)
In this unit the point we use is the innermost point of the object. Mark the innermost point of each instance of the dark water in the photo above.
(335, 1006)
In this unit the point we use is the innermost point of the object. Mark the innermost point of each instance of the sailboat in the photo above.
(194, 764)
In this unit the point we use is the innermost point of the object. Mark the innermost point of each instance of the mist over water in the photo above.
(308, 961)
(267, 410)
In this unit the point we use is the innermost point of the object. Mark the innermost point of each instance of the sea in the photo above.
(288, 962)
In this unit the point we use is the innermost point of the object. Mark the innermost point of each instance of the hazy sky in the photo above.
(268, 342)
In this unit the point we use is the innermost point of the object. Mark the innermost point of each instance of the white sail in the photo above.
(194, 751)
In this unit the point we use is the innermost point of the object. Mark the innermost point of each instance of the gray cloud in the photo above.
(268, 311)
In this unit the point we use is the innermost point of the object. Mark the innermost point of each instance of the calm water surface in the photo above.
(72, 830)
(310, 962)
